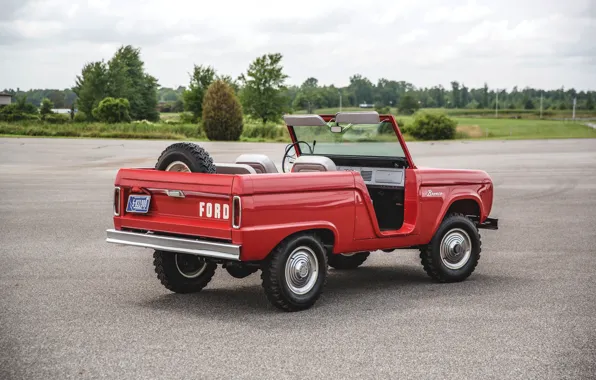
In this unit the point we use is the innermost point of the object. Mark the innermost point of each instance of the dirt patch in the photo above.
(470, 130)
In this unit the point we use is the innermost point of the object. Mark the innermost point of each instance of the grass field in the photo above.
(170, 128)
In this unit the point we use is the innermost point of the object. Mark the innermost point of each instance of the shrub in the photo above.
(57, 118)
(113, 110)
(16, 112)
(432, 126)
(46, 108)
(387, 128)
(80, 117)
(264, 132)
(222, 113)
(187, 118)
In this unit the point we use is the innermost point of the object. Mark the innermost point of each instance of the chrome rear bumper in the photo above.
(173, 244)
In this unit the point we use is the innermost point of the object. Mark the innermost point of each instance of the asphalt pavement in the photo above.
(75, 307)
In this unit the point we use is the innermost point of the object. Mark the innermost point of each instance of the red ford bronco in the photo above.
(352, 188)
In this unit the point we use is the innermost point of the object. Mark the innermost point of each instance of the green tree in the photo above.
(263, 88)
(46, 108)
(408, 105)
(91, 86)
(129, 80)
(309, 96)
(122, 77)
(222, 112)
(589, 102)
(113, 110)
(200, 79)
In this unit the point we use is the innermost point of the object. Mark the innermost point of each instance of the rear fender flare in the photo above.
(279, 232)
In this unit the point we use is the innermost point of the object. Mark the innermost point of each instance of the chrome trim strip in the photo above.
(175, 193)
(187, 193)
(174, 244)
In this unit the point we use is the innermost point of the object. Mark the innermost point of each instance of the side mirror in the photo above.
(336, 129)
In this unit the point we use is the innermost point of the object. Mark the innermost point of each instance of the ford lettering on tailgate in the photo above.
(138, 203)
(214, 210)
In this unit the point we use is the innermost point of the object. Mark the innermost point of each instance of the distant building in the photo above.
(5, 99)
(61, 110)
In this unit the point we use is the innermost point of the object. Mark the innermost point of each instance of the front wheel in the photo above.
(295, 273)
(182, 273)
(453, 253)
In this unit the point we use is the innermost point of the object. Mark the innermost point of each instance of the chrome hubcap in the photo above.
(456, 248)
(189, 266)
(302, 270)
(178, 166)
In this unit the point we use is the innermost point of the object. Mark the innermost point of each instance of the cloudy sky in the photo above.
(540, 43)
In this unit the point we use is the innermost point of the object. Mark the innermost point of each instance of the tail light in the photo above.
(236, 212)
(117, 201)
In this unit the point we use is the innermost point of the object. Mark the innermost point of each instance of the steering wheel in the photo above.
(287, 155)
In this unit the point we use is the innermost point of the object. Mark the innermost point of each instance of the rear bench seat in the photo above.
(313, 164)
(259, 162)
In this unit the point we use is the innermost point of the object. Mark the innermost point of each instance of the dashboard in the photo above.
(388, 178)
(377, 172)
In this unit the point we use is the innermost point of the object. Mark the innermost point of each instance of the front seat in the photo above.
(313, 164)
(260, 162)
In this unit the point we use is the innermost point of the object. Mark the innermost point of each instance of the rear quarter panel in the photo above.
(277, 206)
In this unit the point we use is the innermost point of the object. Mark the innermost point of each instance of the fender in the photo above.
(263, 239)
(436, 206)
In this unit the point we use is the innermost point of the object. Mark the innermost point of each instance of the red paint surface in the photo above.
(275, 206)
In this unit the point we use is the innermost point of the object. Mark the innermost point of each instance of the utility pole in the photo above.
(574, 102)
(339, 92)
(541, 96)
(497, 105)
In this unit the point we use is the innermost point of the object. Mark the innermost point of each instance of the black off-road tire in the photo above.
(194, 156)
(171, 278)
(345, 262)
(275, 281)
(430, 255)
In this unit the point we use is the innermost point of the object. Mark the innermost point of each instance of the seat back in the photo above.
(225, 168)
(259, 162)
(313, 164)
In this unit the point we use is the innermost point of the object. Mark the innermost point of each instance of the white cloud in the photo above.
(537, 42)
(471, 11)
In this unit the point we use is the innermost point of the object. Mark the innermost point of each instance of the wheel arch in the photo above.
(467, 204)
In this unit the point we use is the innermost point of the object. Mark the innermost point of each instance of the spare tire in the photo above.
(185, 157)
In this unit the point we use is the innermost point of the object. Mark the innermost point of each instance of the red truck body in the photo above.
(244, 217)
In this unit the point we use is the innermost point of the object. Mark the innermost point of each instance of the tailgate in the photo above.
(182, 203)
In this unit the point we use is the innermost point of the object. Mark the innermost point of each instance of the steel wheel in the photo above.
(189, 266)
(302, 270)
(455, 248)
(178, 166)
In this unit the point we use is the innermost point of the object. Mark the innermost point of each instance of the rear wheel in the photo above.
(453, 253)
(182, 273)
(295, 273)
(348, 260)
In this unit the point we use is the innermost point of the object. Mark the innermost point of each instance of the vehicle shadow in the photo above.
(367, 288)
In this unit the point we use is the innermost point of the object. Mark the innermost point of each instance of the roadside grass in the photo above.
(481, 113)
(254, 131)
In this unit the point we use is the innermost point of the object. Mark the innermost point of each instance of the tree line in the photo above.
(265, 95)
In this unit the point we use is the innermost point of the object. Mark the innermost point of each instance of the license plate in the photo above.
(138, 203)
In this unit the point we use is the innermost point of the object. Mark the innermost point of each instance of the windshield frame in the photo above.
(383, 118)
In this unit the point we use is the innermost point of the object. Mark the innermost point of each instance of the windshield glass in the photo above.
(373, 140)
